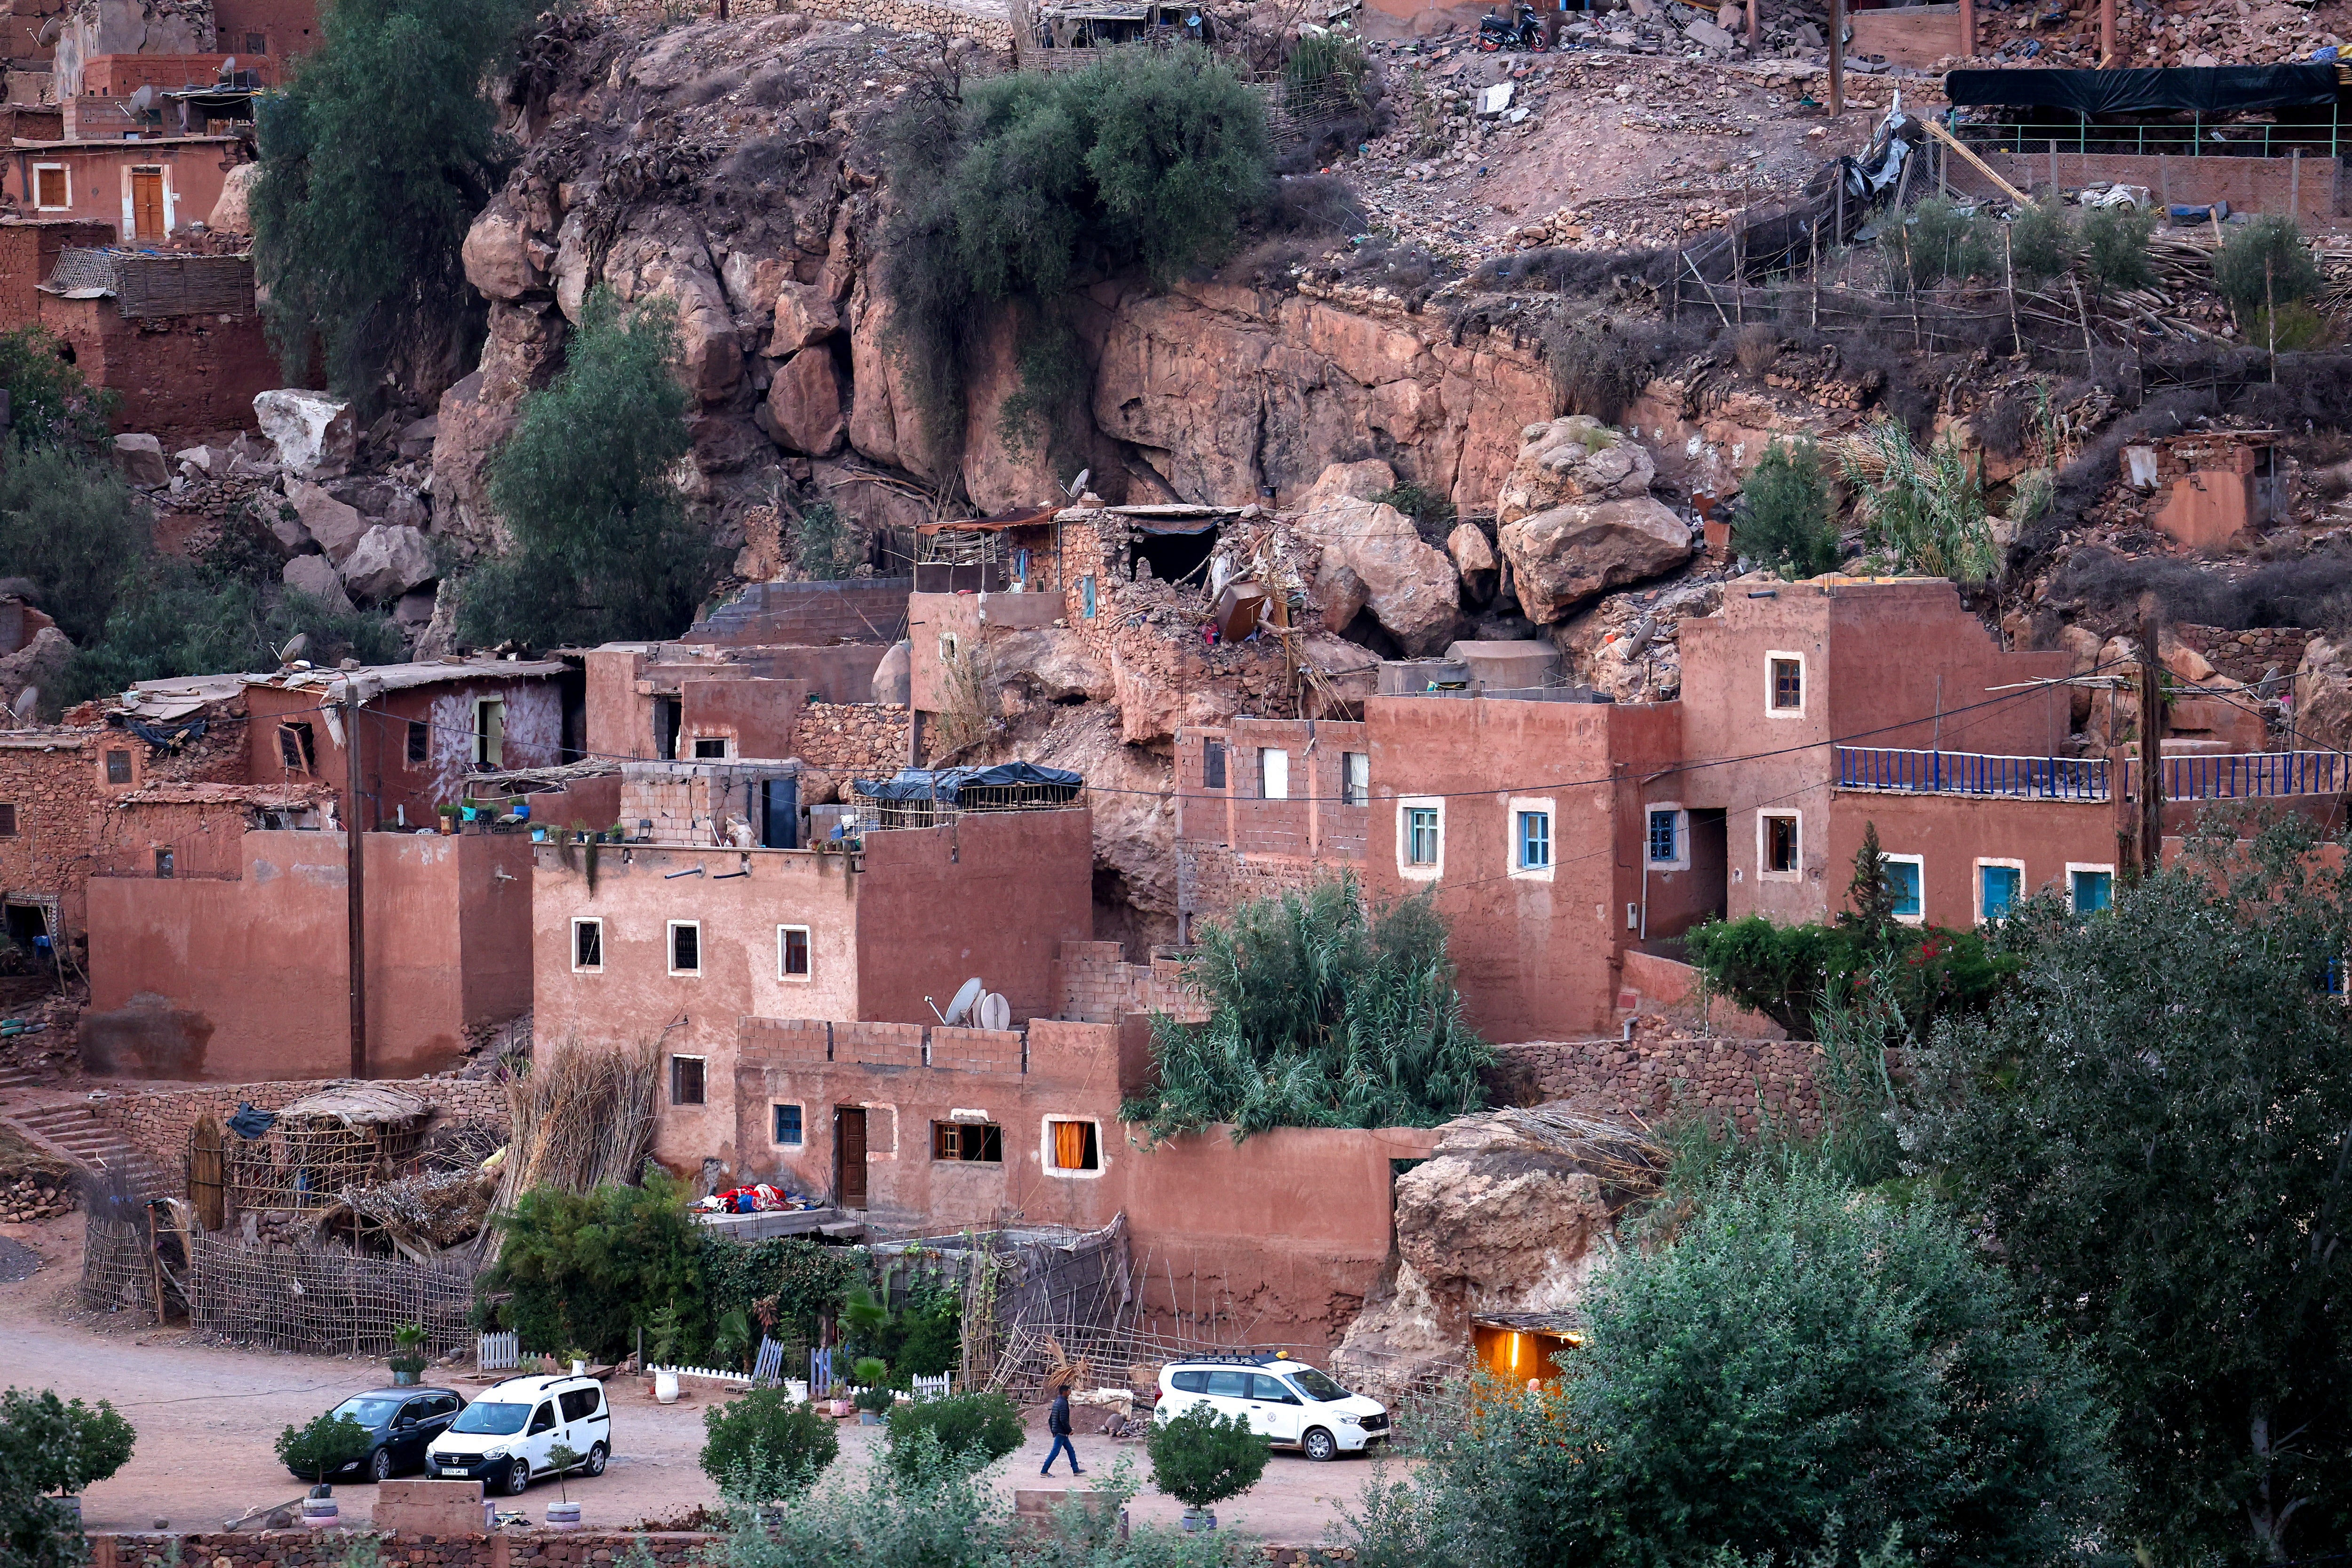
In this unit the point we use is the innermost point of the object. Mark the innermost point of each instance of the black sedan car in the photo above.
(400, 1422)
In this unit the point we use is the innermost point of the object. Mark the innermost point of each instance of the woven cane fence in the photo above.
(118, 1265)
(326, 1300)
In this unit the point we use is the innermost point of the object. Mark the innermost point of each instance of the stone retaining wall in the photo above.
(864, 740)
(2248, 655)
(1658, 1074)
(983, 24)
(155, 1125)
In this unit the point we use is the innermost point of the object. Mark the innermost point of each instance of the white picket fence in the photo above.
(938, 1387)
(502, 1352)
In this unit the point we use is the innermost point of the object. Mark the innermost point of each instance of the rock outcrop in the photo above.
(39, 664)
(2322, 694)
(1408, 585)
(1578, 518)
(387, 562)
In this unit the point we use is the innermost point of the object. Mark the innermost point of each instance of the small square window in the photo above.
(971, 1142)
(2093, 890)
(787, 1125)
(257, 43)
(1212, 764)
(1272, 774)
(1355, 778)
(118, 767)
(792, 952)
(587, 944)
(1072, 1146)
(710, 751)
(2001, 888)
(420, 742)
(1780, 847)
(1665, 838)
(162, 862)
(298, 748)
(1421, 835)
(1903, 878)
(7, 821)
(51, 188)
(1534, 840)
(686, 947)
(687, 1080)
(1788, 685)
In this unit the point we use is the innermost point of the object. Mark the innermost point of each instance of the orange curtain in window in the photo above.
(1069, 1145)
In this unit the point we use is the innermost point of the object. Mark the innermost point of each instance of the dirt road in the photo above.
(207, 1415)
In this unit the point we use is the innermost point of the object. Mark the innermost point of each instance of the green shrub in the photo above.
(323, 1444)
(2042, 240)
(1327, 73)
(977, 1428)
(51, 1444)
(1322, 1013)
(603, 547)
(1009, 195)
(1925, 509)
(69, 523)
(1428, 508)
(760, 1445)
(49, 400)
(1785, 522)
(2298, 328)
(786, 1282)
(2265, 265)
(375, 162)
(1787, 972)
(1201, 1458)
(823, 545)
(588, 1268)
(1936, 242)
(2114, 243)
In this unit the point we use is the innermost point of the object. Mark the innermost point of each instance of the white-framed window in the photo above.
(1420, 838)
(787, 1126)
(587, 947)
(1780, 846)
(1666, 836)
(1272, 774)
(1071, 1146)
(711, 748)
(1784, 684)
(689, 1080)
(52, 187)
(2001, 888)
(2090, 888)
(1906, 882)
(686, 947)
(1527, 852)
(792, 952)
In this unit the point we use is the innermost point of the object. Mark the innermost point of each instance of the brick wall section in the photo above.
(977, 1050)
(864, 740)
(1212, 881)
(156, 1125)
(2248, 655)
(329, 1549)
(784, 1040)
(2248, 184)
(181, 377)
(879, 1044)
(1098, 985)
(811, 614)
(1659, 1074)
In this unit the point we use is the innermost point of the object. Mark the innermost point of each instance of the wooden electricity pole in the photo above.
(1837, 58)
(2151, 740)
(354, 877)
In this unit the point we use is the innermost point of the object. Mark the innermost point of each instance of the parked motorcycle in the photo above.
(1524, 31)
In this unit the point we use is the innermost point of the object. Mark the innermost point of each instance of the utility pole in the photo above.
(354, 877)
(2151, 740)
(1837, 61)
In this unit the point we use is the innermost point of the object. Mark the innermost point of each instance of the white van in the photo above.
(504, 1437)
(1294, 1405)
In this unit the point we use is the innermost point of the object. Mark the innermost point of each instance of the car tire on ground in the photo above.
(379, 1465)
(595, 1465)
(1319, 1445)
(517, 1477)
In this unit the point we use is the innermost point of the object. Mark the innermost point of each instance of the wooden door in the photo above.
(849, 1157)
(207, 1191)
(147, 204)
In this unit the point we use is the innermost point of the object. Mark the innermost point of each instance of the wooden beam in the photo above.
(1935, 129)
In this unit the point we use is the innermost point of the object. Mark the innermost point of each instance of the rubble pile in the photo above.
(2181, 33)
(38, 1197)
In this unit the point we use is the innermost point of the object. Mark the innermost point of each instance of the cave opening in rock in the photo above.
(1174, 556)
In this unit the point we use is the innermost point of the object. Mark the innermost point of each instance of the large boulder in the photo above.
(233, 211)
(892, 677)
(1570, 460)
(141, 460)
(334, 526)
(1408, 585)
(314, 433)
(498, 253)
(804, 403)
(1474, 561)
(1563, 557)
(1047, 663)
(388, 562)
(2322, 694)
(468, 429)
(803, 316)
(315, 575)
(39, 664)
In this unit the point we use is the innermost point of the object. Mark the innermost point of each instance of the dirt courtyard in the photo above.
(207, 1415)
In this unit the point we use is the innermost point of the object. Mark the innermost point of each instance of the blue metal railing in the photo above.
(2245, 776)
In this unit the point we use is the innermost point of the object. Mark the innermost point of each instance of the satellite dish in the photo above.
(966, 997)
(228, 70)
(21, 709)
(995, 1013)
(293, 649)
(1077, 486)
(143, 100)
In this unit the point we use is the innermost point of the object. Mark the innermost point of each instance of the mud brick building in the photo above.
(1265, 806)
(29, 248)
(178, 339)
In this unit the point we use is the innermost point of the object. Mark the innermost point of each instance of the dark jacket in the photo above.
(1057, 1419)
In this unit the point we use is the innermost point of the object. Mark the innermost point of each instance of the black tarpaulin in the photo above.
(2216, 90)
(951, 785)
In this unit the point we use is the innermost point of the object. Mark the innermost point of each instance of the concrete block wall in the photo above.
(2311, 189)
(1098, 985)
(879, 1044)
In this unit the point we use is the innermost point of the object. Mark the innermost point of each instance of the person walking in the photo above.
(1057, 1421)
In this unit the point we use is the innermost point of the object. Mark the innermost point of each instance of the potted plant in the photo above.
(564, 1514)
(318, 1449)
(448, 812)
(55, 1446)
(1200, 1458)
(874, 1396)
(662, 1333)
(407, 1360)
(579, 1360)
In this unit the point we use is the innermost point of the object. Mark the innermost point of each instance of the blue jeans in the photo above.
(1061, 1445)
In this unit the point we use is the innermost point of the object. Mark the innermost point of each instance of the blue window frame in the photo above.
(2093, 890)
(1903, 880)
(1534, 840)
(1421, 835)
(1665, 838)
(2002, 887)
(788, 1124)
(1086, 594)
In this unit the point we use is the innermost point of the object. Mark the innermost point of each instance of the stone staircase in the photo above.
(75, 1129)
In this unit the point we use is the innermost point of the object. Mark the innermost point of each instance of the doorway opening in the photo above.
(849, 1157)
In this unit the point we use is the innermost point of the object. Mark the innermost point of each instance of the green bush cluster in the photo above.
(1939, 241)
(975, 1429)
(762, 1446)
(322, 1445)
(2265, 265)
(52, 1446)
(1786, 522)
(1925, 509)
(1202, 1458)
(1323, 1012)
(1010, 196)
